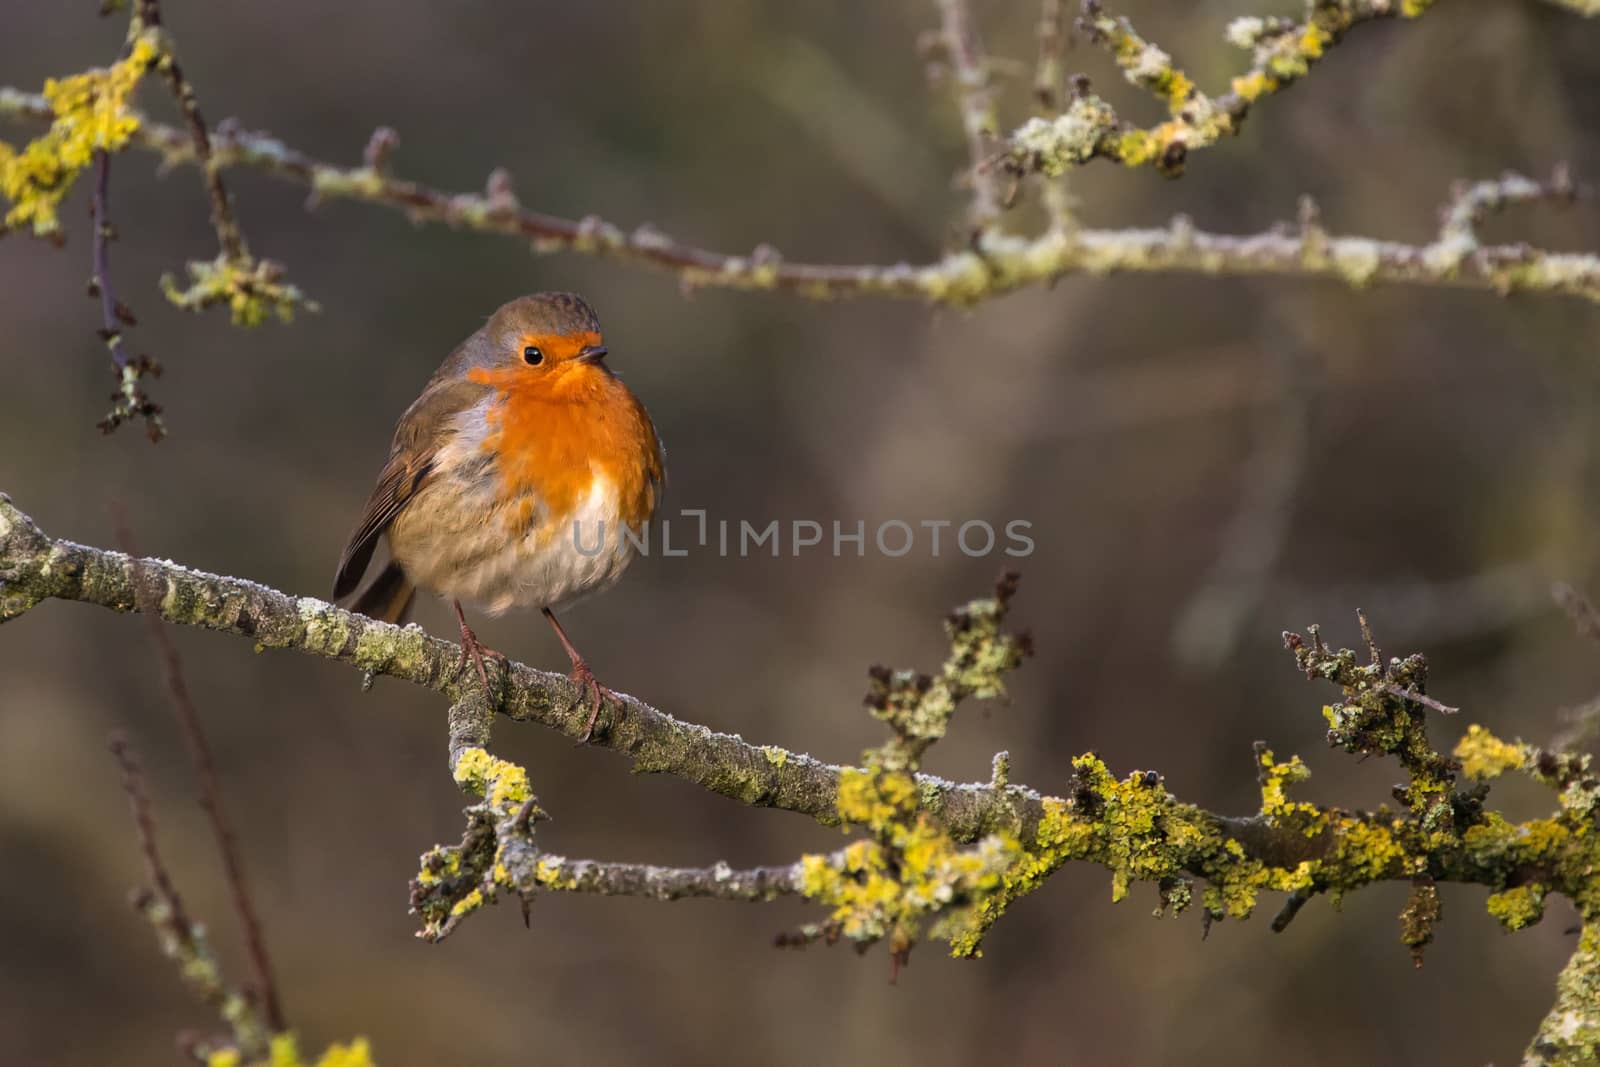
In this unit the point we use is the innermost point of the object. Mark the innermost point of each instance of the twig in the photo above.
(181, 939)
(1291, 907)
(1372, 642)
(718, 882)
(130, 399)
(144, 826)
(229, 236)
(1471, 203)
(1052, 45)
(210, 794)
(975, 98)
(1416, 697)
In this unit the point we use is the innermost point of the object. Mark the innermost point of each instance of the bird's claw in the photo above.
(475, 650)
(586, 682)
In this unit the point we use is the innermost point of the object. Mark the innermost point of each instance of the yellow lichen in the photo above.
(874, 799)
(1254, 85)
(775, 755)
(90, 113)
(1518, 907)
(910, 870)
(550, 872)
(472, 770)
(469, 903)
(501, 782)
(1177, 87)
(1313, 40)
(1135, 148)
(1366, 851)
(439, 864)
(1484, 755)
(252, 289)
(1275, 781)
(283, 1050)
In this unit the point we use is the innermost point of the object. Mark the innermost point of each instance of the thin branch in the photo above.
(130, 399)
(181, 939)
(1419, 698)
(717, 882)
(147, 16)
(965, 277)
(1471, 204)
(1052, 46)
(963, 46)
(144, 827)
(1284, 51)
(210, 796)
(1569, 1035)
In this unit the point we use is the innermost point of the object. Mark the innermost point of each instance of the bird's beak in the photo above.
(592, 354)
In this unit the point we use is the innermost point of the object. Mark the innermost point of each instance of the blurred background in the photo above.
(1205, 463)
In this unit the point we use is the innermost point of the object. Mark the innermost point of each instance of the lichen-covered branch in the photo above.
(946, 855)
(91, 115)
(1570, 1034)
(1284, 50)
(498, 854)
(35, 567)
(999, 264)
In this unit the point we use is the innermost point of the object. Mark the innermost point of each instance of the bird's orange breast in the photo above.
(552, 435)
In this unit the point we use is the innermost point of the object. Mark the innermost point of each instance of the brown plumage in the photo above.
(522, 447)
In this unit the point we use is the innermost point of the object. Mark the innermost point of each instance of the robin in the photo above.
(509, 479)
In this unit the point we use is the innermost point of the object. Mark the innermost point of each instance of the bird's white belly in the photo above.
(463, 540)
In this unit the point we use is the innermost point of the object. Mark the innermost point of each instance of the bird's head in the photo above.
(544, 341)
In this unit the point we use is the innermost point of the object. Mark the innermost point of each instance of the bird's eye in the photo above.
(532, 356)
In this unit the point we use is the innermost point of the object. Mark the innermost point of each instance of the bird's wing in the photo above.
(417, 438)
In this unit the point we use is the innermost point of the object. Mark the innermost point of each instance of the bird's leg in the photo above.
(471, 646)
(582, 675)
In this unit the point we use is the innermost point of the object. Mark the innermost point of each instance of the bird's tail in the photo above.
(388, 597)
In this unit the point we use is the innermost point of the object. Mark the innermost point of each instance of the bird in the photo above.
(510, 479)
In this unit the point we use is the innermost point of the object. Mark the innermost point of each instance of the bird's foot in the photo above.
(475, 650)
(586, 682)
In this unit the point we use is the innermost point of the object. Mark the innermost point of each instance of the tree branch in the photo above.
(1569, 1035)
(35, 567)
(1132, 826)
(963, 47)
(717, 882)
(1001, 264)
